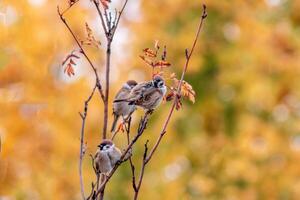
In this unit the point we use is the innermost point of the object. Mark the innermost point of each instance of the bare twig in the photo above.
(70, 6)
(132, 167)
(99, 86)
(82, 151)
(101, 17)
(188, 57)
(109, 33)
(114, 28)
(147, 158)
(108, 53)
(137, 188)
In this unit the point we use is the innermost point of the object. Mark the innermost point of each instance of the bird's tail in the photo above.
(130, 102)
(120, 100)
(113, 126)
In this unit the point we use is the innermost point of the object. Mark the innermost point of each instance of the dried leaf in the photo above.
(150, 53)
(159, 73)
(173, 76)
(105, 3)
(170, 96)
(69, 70)
(147, 61)
(90, 39)
(178, 104)
(186, 90)
(162, 63)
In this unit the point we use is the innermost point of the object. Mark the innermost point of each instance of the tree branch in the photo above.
(101, 17)
(188, 57)
(114, 28)
(137, 190)
(82, 150)
(109, 33)
(146, 158)
(132, 167)
(99, 86)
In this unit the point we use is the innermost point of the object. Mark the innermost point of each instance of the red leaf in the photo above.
(150, 53)
(105, 3)
(162, 63)
(69, 70)
(147, 61)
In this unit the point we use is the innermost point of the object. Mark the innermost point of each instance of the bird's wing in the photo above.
(122, 93)
(114, 156)
(137, 92)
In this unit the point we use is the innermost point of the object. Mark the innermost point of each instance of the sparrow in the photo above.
(147, 95)
(106, 157)
(123, 108)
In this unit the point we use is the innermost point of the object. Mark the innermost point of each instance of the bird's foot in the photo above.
(119, 162)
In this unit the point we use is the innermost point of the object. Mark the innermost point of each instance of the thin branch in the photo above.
(137, 190)
(146, 158)
(83, 52)
(108, 21)
(97, 183)
(109, 33)
(132, 167)
(188, 57)
(118, 19)
(82, 151)
(105, 118)
(70, 6)
(101, 18)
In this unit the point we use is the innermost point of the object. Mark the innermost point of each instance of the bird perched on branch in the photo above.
(123, 108)
(107, 156)
(147, 95)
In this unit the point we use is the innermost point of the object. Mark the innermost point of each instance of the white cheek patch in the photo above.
(126, 86)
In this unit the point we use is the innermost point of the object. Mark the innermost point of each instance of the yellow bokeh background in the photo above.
(240, 140)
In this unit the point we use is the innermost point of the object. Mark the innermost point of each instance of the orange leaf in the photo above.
(90, 40)
(150, 53)
(170, 96)
(186, 90)
(105, 3)
(69, 70)
(162, 63)
(147, 61)
(173, 75)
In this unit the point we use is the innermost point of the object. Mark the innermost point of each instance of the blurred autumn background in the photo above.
(240, 140)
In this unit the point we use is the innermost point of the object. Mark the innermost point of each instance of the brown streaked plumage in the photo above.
(123, 108)
(147, 95)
